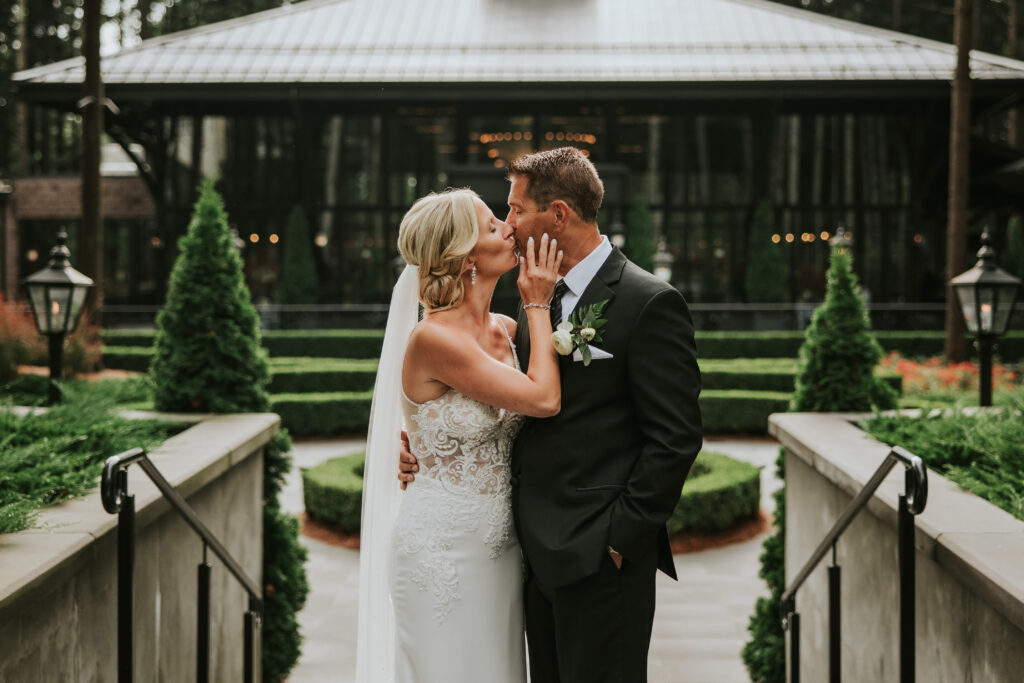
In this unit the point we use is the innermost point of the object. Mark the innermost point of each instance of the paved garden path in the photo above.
(699, 628)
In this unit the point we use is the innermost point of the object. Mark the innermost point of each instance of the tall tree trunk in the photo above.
(1013, 118)
(145, 27)
(21, 109)
(92, 130)
(959, 151)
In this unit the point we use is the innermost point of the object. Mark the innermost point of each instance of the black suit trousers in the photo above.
(595, 630)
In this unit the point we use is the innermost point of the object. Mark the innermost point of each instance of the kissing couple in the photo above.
(543, 455)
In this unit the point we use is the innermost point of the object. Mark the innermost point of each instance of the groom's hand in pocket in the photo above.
(407, 463)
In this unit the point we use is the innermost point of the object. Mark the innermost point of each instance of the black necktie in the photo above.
(556, 303)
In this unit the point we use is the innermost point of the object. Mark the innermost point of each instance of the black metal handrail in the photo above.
(911, 502)
(116, 500)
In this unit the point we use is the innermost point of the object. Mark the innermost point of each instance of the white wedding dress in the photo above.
(456, 582)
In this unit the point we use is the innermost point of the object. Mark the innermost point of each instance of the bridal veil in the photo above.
(375, 654)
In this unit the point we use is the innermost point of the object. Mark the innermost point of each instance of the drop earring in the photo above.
(472, 275)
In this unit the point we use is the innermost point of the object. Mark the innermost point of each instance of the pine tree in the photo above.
(1013, 260)
(767, 274)
(838, 357)
(836, 373)
(298, 267)
(640, 245)
(208, 356)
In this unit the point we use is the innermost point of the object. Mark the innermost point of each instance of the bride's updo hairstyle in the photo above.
(437, 234)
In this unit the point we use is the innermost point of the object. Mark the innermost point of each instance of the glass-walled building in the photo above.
(700, 110)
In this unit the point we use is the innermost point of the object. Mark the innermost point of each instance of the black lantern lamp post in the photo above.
(617, 231)
(987, 295)
(57, 294)
(663, 262)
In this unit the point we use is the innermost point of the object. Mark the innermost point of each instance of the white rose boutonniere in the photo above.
(584, 326)
(562, 339)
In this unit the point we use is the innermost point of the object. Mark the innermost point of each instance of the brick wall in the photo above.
(36, 198)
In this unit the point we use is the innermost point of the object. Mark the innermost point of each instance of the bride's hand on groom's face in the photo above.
(538, 270)
(407, 463)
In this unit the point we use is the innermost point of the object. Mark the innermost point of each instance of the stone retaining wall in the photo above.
(969, 564)
(58, 581)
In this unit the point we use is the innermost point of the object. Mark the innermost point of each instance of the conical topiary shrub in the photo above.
(640, 246)
(836, 373)
(208, 356)
(298, 267)
(767, 274)
(839, 353)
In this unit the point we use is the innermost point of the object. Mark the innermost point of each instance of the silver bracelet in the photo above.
(546, 307)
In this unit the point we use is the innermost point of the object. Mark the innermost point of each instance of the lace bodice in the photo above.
(463, 447)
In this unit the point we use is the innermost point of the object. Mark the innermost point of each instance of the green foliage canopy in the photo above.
(208, 355)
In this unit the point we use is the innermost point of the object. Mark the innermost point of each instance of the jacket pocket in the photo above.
(602, 487)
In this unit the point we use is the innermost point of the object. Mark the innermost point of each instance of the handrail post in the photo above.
(905, 539)
(794, 647)
(125, 580)
(203, 625)
(834, 632)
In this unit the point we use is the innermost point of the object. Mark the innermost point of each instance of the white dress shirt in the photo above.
(581, 274)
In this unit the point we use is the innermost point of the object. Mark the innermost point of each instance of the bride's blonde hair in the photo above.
(437, 234)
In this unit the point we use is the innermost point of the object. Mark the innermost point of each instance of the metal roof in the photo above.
(461, 42)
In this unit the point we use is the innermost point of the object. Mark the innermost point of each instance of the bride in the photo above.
(440, 567)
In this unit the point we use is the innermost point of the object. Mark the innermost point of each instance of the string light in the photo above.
(790, 237)
(776, 238)
(274, 238)
(254, 238)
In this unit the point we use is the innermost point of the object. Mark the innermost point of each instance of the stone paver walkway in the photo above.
(699, 628)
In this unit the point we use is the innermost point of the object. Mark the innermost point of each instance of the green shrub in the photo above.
(58, 455)
(325, 413)
(981, 452)
(839, 356)
(19, 339)
(767, 273)
(133, 358)
(333, 492)
(298, 267)
(765, 653)
(284, 574)
(740, 412)
(325, 343)
(640, 246)
(836, 373)
(717, 495)
(719, 492)
(208, 356)
(305, 375)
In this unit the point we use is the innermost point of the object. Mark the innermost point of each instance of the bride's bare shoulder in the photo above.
(509, 324)
(433, 336)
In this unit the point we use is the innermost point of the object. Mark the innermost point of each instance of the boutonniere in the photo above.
(582, 328)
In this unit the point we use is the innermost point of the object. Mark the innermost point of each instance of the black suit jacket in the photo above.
(609, 468)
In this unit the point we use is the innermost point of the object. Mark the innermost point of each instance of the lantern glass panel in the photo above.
(969, 307)
(77, 301)
(1005, 296)
(986, 297)
(37, 301)
(58, 306)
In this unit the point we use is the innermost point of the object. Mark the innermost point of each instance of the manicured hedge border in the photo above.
(735, 411)
(720, 492)
(729, 491)
(323, 414)
(367, 343)
(333, 492)
(134, 358)
(315, 343)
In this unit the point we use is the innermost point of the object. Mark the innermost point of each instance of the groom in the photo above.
(594, 485)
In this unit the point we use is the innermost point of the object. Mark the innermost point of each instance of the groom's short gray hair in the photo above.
(563, 173)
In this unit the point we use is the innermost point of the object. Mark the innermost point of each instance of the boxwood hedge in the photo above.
(719, 492)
